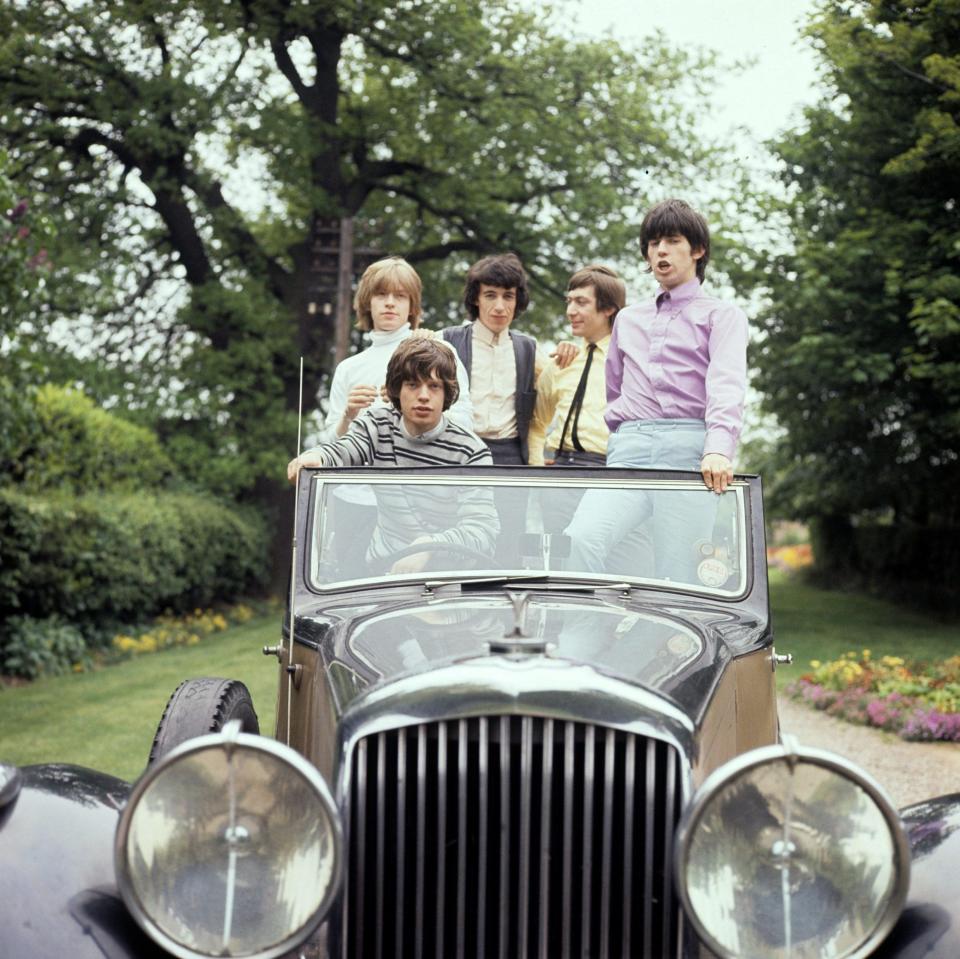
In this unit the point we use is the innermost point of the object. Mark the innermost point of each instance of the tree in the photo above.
(860, 358)
(200, 152)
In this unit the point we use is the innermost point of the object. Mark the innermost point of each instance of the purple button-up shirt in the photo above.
(682, 355)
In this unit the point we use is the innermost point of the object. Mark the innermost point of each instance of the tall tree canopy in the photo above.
(860, 360)
(196, 150)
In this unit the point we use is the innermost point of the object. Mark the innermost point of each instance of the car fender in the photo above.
(58, 896)
(929, 925)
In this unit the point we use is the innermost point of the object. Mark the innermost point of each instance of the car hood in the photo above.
(677, 651)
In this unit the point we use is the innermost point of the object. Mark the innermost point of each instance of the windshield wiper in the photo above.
(521, 581)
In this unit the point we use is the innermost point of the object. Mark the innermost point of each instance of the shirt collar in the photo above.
(488, 336)
(381, 338)
(602, 344)
(424, 437)
(680, 295)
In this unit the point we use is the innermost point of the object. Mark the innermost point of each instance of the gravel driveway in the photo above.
(909, 772)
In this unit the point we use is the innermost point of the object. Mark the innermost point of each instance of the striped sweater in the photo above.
(459, 515)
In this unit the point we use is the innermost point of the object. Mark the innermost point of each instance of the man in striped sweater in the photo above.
(421, 382)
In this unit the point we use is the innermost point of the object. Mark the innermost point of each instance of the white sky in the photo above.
(764, 97)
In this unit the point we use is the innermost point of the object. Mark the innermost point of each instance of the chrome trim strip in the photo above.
(504, 904)
(462, 743)
(441, 834)
(606, 871)
(483, 774)
(589, 785)
(568, 758)
(361, 833)
(650, 789)
(526, 839)
(670, 802)
(381, 832)
(419, 919)
(401, 837)
(629, 802)
(546, 795)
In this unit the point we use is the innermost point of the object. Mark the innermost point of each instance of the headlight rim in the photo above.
(790, 751)
(229, 738)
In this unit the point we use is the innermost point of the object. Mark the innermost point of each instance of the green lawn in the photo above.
(106, 718)
(816, 624)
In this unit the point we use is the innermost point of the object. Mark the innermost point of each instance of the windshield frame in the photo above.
(533, 479)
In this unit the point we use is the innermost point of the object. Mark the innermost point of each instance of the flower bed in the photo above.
(916, 701)
(168, 630)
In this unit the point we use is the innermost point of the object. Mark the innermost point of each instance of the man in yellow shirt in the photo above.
(567, 427)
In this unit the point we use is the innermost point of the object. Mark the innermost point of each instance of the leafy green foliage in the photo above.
(32, 647)
(77, 447)
(194, 150)
(860, 357)
(123, 557)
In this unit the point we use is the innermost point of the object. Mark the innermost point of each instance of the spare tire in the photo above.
(201, 706)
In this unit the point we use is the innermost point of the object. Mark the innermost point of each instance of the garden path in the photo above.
(910, 772)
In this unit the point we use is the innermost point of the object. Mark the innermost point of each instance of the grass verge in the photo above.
(106, 718)
(813, 623)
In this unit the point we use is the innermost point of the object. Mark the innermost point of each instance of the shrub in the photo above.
(124, 557)
(31, 647)
(78, 447)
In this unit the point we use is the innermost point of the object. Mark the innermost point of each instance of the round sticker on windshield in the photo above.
(713, 572)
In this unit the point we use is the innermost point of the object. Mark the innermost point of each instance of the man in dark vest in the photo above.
(500, 362)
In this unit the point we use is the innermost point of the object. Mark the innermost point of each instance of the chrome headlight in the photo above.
(788, 852)
(229, 846)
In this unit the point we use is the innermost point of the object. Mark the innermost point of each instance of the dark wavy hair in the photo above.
(677, 218)
(419, 359)
(504, 269)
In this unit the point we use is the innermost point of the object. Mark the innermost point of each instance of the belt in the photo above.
(574, 458)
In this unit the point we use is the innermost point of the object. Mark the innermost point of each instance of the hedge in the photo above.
(79, 447)
(124, 557)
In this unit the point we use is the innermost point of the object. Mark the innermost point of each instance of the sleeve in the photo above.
(336, 405)
(461, 412)
(726, 381)
(355, 448)
(613, 368)
(543, 412)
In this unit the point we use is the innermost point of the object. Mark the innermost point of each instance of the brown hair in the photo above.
(505, 270)
(387, 276)
(677, 218)
(419, 359)
(608, 288)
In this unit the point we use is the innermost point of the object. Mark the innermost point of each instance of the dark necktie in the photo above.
(576, 404)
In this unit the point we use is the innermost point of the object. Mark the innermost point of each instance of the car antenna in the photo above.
(291, 668)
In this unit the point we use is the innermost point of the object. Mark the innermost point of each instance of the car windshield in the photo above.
(584, 528)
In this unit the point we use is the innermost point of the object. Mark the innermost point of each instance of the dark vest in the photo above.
(525, 353)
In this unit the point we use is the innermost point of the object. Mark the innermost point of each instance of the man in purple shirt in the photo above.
(676, 377)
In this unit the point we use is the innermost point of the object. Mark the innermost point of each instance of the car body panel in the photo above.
(57, 887)
(685, 672)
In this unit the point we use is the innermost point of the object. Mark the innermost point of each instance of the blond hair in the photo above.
(390, 275)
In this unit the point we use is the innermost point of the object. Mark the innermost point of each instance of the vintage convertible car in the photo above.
(490, 741)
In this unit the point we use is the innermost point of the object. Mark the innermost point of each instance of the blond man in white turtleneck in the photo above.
(387, 305)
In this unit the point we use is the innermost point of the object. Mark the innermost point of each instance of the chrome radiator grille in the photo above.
(511, 836)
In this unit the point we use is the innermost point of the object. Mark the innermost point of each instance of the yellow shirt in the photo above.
(493, 384)
(555, 389)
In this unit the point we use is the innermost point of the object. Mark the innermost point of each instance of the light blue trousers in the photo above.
(677, 521)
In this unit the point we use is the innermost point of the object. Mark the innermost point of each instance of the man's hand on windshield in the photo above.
(717, 472)
(306, 459)
(565, 354)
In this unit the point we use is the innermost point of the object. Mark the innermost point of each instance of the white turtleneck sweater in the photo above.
(369, 368)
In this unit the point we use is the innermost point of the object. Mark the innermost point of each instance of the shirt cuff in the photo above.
(720, 440)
